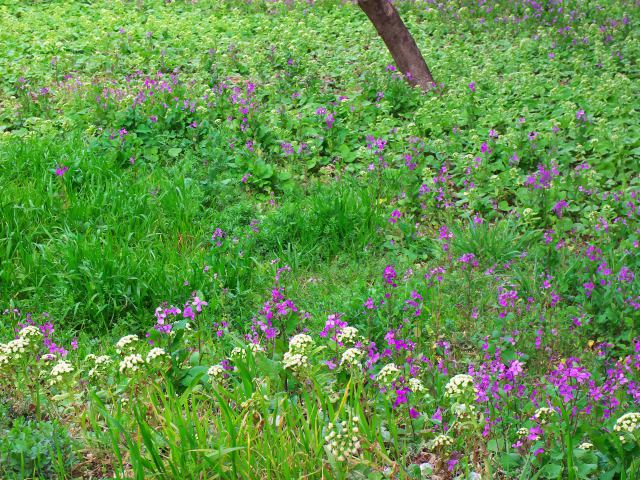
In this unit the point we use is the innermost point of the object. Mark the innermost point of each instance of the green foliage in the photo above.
(32, 449)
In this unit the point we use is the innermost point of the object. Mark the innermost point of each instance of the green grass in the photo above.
(371, 193)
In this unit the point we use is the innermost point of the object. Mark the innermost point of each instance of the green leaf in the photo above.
(174, 152)
(552, 470)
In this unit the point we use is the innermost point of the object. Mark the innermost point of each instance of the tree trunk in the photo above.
(399, 41)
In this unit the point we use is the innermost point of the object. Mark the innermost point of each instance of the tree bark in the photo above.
(399, 41)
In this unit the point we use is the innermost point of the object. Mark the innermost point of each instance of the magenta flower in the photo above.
(61, 170)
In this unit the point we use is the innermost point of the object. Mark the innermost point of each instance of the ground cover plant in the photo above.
(236, 243)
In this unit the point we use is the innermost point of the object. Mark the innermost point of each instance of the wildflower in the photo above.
(30, 331)
(296, 362)
(463, 411)
(395, 215)
(4, 359)
(100, 365)
(238, 353)
(626, 425)
(389, 275)
(301, 344)
(61, 170)
(347, 336)
(126, 344)
(559, 207)
(441, 441)
(342, 440)
(155, 353)
(388, 375)
(59, 372)
(216, 373)
(459, 385)
(585, 446)
(416, 385)
(17, 347)
(131, 363)
(48, 357)
(351, 356)
(472, 87)
(544, 414)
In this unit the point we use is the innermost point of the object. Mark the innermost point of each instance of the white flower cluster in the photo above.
(348, 335)
(126, 344)
(16, 347)
(216, 373)
(301, 344)
(238, 354)
(522, 432)
(544, 414)
(296, 362)
(155, 353)
(48, 357)
(341, 439)
(4, 360)
(388, 375)
(441, 441)
(416, 386)
(459, 386)
(626, 424)
(464, 411)
(30, 331)
(351, 356)
(585, 446)
(59, 372)
(99, 364)
(131, 363)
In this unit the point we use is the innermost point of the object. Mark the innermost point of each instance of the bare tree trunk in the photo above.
(399, 41)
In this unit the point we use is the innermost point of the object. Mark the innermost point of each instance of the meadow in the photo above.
(235, 243)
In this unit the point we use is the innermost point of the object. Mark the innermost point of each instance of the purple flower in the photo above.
(559, 207)
(395, 215)
(389, 275)
(61, 170)
(472, 86)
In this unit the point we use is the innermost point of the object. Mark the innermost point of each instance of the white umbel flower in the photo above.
(301, 344)
(585, 446)
(131, 363)
(351, 356)
(627, 424)
(155, 353)
(238, 354)
(388, 374)
(216, 373)
(296, 362)
(544, 414)
(59, 372)
(30, 331)
(441, 441)
(348, 335)
(100, 365)
(342, 439)
(459, 385)
(416, 386)
(126, 344)
(17, 347)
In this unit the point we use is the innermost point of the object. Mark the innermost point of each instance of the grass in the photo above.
(263, 158)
